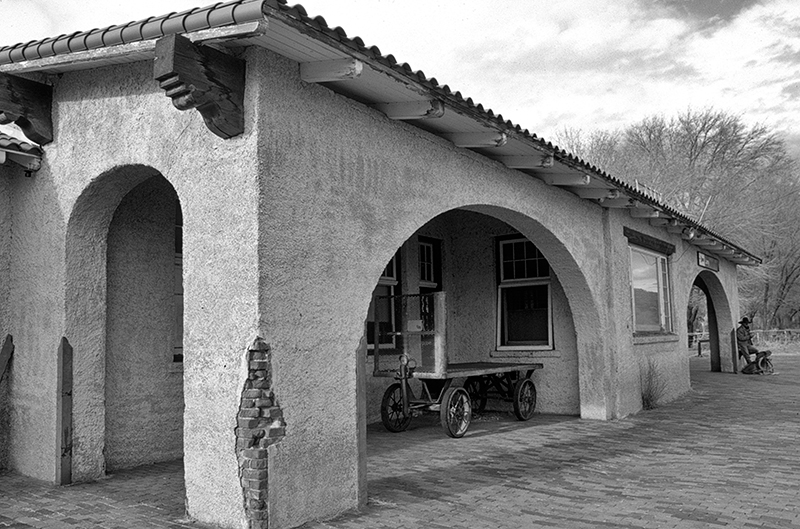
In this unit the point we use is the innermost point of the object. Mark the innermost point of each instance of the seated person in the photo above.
(744, 341)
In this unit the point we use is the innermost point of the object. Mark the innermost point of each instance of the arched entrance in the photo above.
(124, 321)
(719, 322)
(504, 302)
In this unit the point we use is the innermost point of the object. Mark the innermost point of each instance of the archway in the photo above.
(462, 252)
(122, 318)
(720, 323)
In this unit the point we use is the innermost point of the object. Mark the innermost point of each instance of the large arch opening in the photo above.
(513, 293)
(504, 302)
(708, 302)
(124, 308)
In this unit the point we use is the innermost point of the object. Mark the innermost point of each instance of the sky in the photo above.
(546, 65)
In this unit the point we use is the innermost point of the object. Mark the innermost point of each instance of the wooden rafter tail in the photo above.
(203, 78)
(27, 104)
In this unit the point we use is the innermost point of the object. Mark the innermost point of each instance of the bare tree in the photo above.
(736, 179)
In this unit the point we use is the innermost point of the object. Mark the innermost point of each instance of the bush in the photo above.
(653, 384)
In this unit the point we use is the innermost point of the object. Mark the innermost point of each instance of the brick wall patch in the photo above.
(259, 424)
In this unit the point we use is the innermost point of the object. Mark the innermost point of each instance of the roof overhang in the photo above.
(327, 57)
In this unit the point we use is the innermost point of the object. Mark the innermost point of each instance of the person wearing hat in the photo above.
(744, 341)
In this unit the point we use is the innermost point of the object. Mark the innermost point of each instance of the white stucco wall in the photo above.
(6, 174)
(343, 188)
(287, 229)
(114, 128)
(143, 386)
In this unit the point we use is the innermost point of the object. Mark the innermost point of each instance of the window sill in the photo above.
(654, 337)
(520, 353)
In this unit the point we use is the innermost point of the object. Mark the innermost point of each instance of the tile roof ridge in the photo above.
(195, 19)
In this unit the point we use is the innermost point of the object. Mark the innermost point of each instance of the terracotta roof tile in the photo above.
(196, 19)
(241, 11)
(10, 143)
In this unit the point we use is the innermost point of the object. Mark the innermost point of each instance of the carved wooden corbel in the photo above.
(27, 104)
(201, 77)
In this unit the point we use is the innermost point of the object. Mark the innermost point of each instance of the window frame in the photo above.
(664, 285)
(503, 283)
(389, 277)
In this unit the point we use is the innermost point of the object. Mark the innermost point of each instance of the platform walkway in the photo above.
(725, 455)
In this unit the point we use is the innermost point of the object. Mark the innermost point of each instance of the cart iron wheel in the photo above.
(524, 399)
(765, 365)
(455, 412)
(476, 387)
(392, 409)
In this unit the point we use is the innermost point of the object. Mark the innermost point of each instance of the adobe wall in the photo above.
(6, 175)
(287, 230)
(114, 128)
(343, 188)
(36, 322)
(143, 387)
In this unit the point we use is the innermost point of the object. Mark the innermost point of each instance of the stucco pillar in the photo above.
(221, 291)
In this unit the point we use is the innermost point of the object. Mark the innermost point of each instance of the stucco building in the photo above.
(192, 278)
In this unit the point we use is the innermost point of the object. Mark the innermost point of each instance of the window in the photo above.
(650, 291)
(524, 311)
(430, 265)
(382, 308)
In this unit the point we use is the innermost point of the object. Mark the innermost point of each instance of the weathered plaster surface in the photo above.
(143, 393)
(35, 322)
(114, 129)
(6, 175)
(287, 229)
(343, 188)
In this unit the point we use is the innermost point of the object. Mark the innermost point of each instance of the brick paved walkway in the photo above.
(719, 457)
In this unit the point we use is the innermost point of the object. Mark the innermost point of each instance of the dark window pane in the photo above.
(519, 250)
(519, 269)
(508, 270)
(525, 318)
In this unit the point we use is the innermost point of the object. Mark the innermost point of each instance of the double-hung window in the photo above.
(382, 309)
(650, 291)
(524, 311)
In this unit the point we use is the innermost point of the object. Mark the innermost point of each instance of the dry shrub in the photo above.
(653, 384)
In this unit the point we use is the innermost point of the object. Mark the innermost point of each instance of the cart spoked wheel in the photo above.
(392, 414)
(524, 399)
(455, 412)
(476, 387)
(765, 365)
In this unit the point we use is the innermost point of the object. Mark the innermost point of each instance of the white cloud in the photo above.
(542, 64)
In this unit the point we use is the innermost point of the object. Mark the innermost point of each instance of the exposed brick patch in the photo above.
(259, 424)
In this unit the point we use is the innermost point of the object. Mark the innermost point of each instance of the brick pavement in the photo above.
(718, 457)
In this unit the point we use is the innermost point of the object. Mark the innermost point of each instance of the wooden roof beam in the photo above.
(641, 211)
(429, 109)
(567, 180)
(595, 193)
(203, 78)
(540, 161)
(330, 71)
(28, 104)
(706, 242)
(621, 202)
(474, 140)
